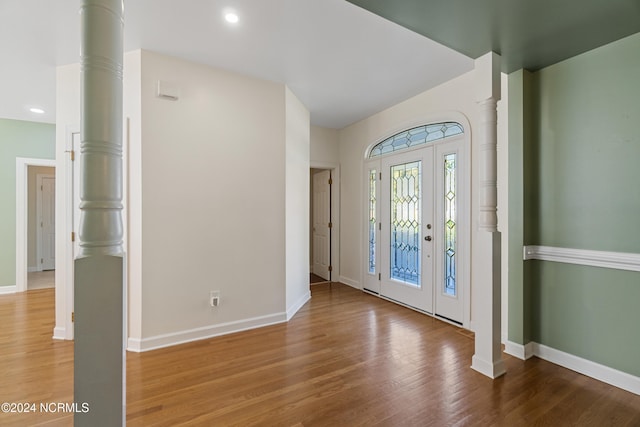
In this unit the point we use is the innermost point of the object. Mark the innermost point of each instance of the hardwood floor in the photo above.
(346, 359)
(41, 280)
(314, 279)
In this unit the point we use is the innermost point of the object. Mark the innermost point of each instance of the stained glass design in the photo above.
(417, 136)
(405, 222)
(372, 221)
(450, 226)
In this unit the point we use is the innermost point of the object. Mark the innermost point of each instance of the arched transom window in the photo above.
(416, 136)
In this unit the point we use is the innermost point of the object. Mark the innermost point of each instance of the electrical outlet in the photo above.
(214, 298)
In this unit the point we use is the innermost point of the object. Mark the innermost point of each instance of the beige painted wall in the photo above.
(208, 204)
(212, 168)
(297, 203)
(324, 146)
(32, 219)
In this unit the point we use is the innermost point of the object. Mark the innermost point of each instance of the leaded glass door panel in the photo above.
(450, 231)
(372, 226)
(405, 234)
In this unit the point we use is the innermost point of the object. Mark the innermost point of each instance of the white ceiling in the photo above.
(342, 62)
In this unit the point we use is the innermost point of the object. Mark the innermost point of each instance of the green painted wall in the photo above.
(520, 201)
(589, 144)
(581, 191)
(590, 312)
(17, 139)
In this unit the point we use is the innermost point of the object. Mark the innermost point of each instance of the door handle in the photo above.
(427, 238)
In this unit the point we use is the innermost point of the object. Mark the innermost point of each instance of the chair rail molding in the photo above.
(615, 260)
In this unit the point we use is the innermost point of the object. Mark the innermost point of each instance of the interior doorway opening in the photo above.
(28, 219)
(41, 227)
(323, 227)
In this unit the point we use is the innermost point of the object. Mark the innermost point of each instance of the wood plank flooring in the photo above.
(346, 359)
(41, 280)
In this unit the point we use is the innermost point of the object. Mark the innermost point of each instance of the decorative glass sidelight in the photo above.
(405, 222)
(372, 221)
(416, 136)
(450, 226)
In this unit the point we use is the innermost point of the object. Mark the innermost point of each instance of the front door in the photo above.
(416, 229)
(405, 235)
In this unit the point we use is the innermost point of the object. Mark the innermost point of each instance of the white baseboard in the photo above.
(59, 333)
(175, 338)
(472, 326)
(488, 368)
(7, 289)
(591, 369)
(522, 352)
(291, 311)
(350, 282)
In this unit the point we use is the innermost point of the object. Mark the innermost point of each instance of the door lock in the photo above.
(427, 238)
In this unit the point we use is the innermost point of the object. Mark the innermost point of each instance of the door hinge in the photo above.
(330, 268)
(330, 181)
(73, 155)
(330, 225)
(379, 226)
(41, 188)
(380, 176)
(41, 260)
(379, 276)
(73, 316)
(73, 236)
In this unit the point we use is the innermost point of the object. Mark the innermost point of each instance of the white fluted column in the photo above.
(99, 368)
(101, 128)
(486, 290)
(488, 136)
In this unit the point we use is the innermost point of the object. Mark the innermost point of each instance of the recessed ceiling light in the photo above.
(37, 110)
(231, 17)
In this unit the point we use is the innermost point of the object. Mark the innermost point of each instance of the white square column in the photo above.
(486, 290)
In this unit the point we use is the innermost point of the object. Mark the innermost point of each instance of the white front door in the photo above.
(417, 230)
(406, 232)
(322, 224)
(47, 222)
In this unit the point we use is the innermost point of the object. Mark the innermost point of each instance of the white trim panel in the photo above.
(615, 260)
(522, 352)
(59, 333)
(350, 282)
(291, 311)
(591, 369)
(5, 290)
(182, 337)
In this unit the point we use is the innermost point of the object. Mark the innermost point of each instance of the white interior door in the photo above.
(322, 224)
(47, 198)
(406, 234)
